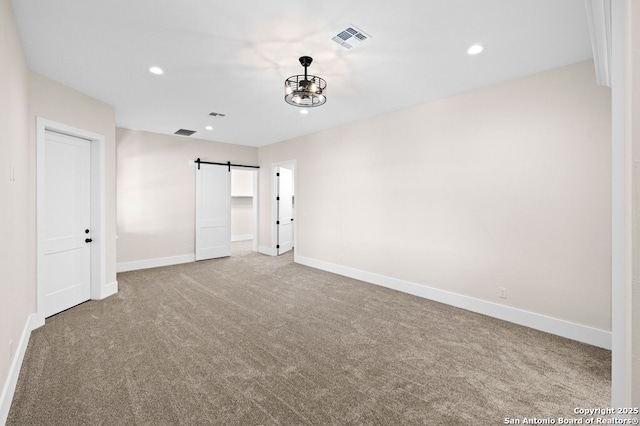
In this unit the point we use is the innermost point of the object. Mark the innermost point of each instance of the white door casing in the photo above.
(213, 211)
(67, 216)
(98, 289)
(284, 200)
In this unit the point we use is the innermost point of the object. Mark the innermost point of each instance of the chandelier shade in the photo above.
(305, 90)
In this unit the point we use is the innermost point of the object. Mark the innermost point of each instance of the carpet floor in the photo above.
(258, 340)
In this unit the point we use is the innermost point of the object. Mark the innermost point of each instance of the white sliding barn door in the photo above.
(285, 210)
(213, 211)
(66, 248)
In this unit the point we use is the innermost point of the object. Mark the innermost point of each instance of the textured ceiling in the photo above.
(232, 57)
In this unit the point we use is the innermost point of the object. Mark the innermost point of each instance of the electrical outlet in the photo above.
(503, 293)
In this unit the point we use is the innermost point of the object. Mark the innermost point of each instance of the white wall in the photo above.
(156, 187)
(17, 216)
(242, 218)
(507, 186)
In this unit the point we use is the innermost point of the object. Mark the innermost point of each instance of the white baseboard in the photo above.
(570, 330)
(154, 263)
(268, 251)
(6, 397)
(246, 237)
(108, 290)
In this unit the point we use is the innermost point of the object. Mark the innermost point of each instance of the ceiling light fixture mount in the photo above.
(305, 90)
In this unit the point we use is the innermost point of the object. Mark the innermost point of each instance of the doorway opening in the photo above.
(244, 209)
(284, 190)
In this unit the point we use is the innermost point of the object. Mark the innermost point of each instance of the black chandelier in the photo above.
(305, 90)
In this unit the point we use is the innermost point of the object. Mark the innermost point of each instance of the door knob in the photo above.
(88, 240)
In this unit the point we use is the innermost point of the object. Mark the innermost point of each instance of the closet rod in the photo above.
(228, 164)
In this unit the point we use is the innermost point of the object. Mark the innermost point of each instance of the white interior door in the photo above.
(67, 218)
(213, 211)
(285, 210)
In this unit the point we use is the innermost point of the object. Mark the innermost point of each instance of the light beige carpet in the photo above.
(256, 340)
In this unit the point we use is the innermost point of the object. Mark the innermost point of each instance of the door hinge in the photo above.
(277, 174)
(277, 222)
(278, 246)
(277, 198)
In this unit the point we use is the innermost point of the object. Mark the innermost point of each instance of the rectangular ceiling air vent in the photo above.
(184, 132)
(216, 114)
(351, 37)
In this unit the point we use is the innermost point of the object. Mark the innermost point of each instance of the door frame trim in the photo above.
(98, 203)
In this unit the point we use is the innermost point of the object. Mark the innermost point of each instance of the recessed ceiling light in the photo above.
(209, 127)
(156, 70)
(475, 49)
(304, 111)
